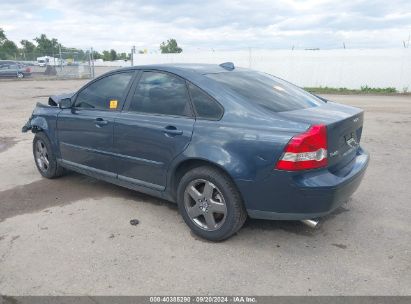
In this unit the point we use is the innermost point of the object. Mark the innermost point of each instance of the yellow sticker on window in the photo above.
(113, 104)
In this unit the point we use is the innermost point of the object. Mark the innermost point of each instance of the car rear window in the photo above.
(267, 91)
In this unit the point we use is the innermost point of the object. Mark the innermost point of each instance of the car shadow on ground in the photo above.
(72, 187)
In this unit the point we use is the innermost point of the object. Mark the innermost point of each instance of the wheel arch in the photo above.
(41, 124)
(186, 165)
(52, 164)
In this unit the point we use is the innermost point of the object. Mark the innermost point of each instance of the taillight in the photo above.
(305, 151)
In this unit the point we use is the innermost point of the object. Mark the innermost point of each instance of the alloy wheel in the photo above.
(42, 156)
(205, 204)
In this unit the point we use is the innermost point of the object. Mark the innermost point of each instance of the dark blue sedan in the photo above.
(222, 142)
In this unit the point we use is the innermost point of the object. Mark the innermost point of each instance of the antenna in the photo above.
(229, 66)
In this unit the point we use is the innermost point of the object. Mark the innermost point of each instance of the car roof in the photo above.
(8, 62)
(198, 68)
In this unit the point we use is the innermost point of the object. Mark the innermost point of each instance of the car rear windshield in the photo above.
(267, 91)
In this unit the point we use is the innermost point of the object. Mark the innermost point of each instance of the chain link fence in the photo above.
(344, 68)
(48, 64)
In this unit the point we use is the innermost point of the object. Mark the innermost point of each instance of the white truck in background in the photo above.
(48, 60)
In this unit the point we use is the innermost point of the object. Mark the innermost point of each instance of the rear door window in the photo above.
(161, 93)
(267, 91)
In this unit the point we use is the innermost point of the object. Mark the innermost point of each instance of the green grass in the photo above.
(363, 90)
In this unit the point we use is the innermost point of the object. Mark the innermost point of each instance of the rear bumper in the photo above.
(295, 196)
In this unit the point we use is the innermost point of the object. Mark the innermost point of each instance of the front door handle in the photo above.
(99, 122)
(171, 130)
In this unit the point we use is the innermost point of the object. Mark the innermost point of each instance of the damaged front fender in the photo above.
(35, 124)
(27, 126)
(41, 118)
(44, 119)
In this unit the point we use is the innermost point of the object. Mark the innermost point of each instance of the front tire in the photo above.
(45, 158)
(210, 203)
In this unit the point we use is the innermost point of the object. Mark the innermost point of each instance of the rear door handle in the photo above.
(171, 130)
(99, 122)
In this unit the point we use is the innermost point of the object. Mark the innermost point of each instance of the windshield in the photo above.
(267, 91)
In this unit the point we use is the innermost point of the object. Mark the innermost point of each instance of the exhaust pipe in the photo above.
(310, 223)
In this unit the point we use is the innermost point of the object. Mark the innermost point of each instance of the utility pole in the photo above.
(89, 64)
(61, 59)
(133, 51)
(92, 63)
(407, 44)
(249, 58)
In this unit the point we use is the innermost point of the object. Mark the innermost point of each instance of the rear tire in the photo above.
(210, 203)
(45, 158)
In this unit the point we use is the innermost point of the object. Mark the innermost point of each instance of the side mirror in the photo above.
(65, 103)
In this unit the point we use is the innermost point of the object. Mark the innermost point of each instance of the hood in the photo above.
(55, 99)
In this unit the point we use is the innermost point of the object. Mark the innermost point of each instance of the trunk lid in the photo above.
(344, 128)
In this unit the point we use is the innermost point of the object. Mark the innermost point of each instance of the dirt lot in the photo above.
(72, 235)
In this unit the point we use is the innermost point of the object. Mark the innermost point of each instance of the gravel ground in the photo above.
(72, 236)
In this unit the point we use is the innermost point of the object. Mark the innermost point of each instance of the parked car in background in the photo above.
(222, 142)
(14, 69)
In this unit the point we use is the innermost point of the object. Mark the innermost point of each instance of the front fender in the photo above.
(44, 119)
(35, 124)
(39, 124)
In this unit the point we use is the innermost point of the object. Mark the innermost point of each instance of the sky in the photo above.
(206, 25)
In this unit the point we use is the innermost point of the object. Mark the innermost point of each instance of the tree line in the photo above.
(44, 46)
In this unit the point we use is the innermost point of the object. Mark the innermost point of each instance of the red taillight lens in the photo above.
(305, 151)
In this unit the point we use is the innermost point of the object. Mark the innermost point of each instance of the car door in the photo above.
(85, 132)
(3, 70)
(154, 127)
(7, 70)
(13, 70)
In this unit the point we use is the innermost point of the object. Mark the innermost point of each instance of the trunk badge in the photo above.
(352, 142)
